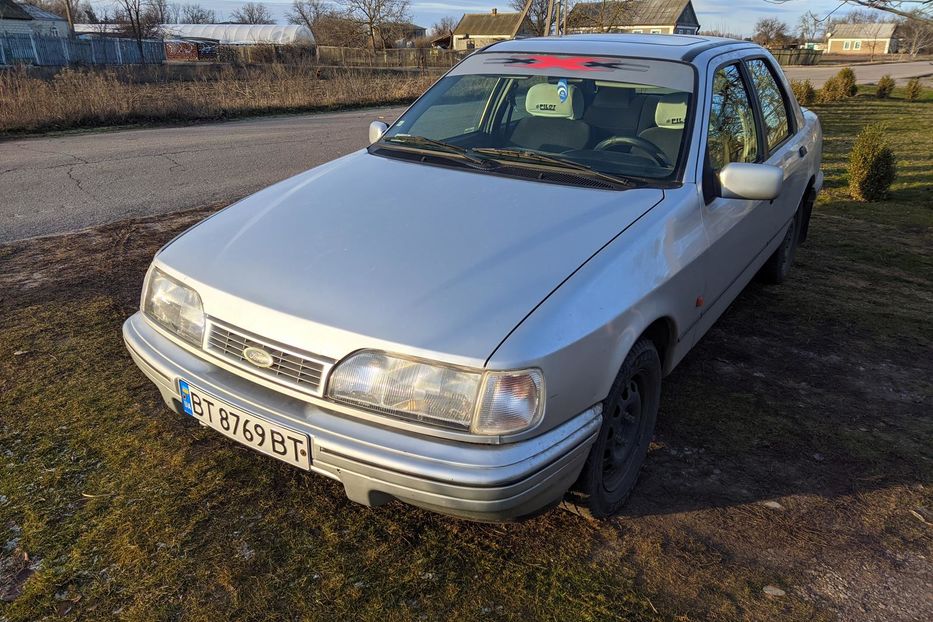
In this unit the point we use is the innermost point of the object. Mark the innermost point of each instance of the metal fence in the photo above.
(57, 51)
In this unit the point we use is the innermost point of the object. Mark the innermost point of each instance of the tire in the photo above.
(806, 210)
(629, 415)
(777, 267)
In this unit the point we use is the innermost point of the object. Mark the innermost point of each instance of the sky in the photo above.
(738, 17)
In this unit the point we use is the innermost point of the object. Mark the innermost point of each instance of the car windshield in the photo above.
(609, 116)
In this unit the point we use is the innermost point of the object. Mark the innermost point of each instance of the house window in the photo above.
(638, 32)
(858, 45)
(846, 45)
(53, 31)
(655, 31)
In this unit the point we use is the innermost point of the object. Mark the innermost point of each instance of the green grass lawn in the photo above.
(816, 395)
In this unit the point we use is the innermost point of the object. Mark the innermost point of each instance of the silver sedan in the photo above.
(475, 313)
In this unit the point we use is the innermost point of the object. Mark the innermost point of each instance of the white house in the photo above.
(25, 19)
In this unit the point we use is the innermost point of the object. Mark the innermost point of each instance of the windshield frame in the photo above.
(674, 180)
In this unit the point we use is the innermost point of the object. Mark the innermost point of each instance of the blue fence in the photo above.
(57, 51)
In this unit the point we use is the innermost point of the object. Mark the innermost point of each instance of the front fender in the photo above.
(580, 335)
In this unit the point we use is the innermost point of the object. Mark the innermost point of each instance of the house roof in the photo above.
(478, 24)
(863, 31)
(37, 13)
(11, 10)
(629, 12)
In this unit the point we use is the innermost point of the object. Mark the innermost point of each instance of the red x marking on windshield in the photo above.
(570, 63)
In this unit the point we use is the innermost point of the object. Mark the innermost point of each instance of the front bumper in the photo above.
(375, 463)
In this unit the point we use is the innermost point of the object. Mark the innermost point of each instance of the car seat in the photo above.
(670, 117)
(554, 124)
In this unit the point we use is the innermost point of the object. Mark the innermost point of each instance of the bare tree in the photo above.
(329, 26)
(377, 15)
(196, 14)
(771, 32)
(917, 35)
(921, 10)
(307, 12)
(137, 18)
(103, 20)
(252, 13)
(537, 13)
(444, 27)
(158, 11)
(809, 27)
(174, 13)
(605, 16)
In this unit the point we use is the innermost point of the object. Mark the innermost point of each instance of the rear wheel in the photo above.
(777, 267)
(629, 415)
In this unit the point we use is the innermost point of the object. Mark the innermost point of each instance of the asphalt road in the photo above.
(66, 182)
(864, 74)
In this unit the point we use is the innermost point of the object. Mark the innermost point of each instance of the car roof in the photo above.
(656, 46)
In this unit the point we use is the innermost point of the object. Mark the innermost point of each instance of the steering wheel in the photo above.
(635, 142)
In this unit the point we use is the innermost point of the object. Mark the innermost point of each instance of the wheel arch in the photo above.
(662, 332)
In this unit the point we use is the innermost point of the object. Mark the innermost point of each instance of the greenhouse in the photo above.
(242, 34)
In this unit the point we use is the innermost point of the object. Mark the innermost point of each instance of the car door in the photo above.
(783, 146)
(737, 229)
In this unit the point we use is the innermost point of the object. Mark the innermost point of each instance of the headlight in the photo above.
(174, 306)
(481, 402)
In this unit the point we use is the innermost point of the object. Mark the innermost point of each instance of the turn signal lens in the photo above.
(511, 402)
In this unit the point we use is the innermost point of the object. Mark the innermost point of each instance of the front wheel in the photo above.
(629, 415)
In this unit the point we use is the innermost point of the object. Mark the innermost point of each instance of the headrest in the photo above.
(612, 97)
(671, 113)
(544, 100)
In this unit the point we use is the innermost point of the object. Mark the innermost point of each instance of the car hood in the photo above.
(369, 251)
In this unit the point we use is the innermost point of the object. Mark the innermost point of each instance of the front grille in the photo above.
(289, 367)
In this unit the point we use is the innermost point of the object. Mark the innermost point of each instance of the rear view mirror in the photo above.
(376, 130)
(755, 182)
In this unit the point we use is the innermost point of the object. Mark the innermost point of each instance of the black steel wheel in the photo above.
(629, 415)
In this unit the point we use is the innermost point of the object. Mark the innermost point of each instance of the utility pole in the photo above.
(69, 16)
(550, 16)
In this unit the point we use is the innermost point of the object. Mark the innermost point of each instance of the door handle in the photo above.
(802, 151)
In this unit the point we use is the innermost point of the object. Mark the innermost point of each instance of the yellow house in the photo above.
(477, 30)
(865, 39)
(669, 17)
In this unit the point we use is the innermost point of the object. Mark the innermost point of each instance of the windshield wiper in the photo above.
(423, 141)
(557, 161)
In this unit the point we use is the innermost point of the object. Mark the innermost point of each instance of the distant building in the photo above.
(402, 35)
(20, 18)
(670, 17)
(863, 39)
(477, 30)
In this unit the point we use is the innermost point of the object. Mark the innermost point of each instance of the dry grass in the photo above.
(93, 98)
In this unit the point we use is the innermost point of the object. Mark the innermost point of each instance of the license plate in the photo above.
(254, 432)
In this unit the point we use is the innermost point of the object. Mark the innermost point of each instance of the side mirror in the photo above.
(376, 130)
(755, 182)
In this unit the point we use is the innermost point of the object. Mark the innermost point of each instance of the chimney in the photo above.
(495, 11)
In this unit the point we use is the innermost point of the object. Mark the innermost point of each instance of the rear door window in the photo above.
(773, 103)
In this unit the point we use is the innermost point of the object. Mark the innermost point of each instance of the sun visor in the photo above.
(672, 75)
